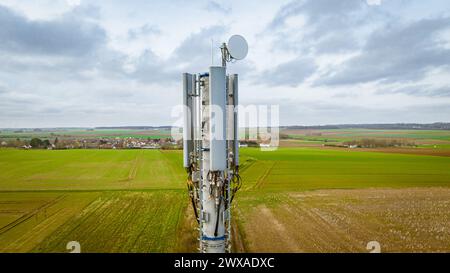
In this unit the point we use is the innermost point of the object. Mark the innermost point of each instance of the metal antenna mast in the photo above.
(211, 146)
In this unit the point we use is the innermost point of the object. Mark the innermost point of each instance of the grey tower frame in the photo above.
(211, 153)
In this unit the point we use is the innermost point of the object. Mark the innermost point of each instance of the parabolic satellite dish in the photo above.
(237, 47)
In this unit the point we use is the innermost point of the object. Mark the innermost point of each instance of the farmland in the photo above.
(94, 197)
(338, 200)
(100, 222)
(130, 222)
(351, 134)
(401, 220)
(310, 198)
(90, 170)
(299, 169)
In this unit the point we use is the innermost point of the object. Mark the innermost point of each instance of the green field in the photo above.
(325, 200)
(299, 169)
(341, 135)
(132, 199)
(285, 169)
(90, 170)
(130, 222)
(135, 200)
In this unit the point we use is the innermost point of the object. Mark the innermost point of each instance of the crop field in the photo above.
(400, 220)
(327, 200)
(90, 170)
(100, 222)
(310, 199)
(300, 169)
(108, 200)
(351, 134)
(125, 222)
(422, 142)
(28, 218)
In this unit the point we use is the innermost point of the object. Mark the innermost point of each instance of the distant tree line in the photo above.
(379, 143)
(388, 126)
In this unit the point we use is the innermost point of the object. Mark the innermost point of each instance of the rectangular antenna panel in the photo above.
(188, 144)
(234, 87)
(217, 114)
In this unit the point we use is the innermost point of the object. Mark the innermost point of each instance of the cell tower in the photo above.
(211, 146)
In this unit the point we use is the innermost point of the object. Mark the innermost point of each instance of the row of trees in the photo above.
(33, 143)
(39, 143)
(379, 143)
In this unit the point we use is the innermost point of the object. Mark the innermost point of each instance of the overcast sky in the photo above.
(67, 63)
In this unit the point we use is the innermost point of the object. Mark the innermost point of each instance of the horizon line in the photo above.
(280, 126)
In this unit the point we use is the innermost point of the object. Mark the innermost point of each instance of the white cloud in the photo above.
(73, 3)
(373, 2)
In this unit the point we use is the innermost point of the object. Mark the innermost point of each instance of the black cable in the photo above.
(191, 195)
(217, 219)
(190, 188)
(237, 181)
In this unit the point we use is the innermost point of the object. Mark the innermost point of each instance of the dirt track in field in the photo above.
(401, 220)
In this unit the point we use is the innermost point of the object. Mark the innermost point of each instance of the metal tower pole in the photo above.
(214, 177)
(211, 147)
